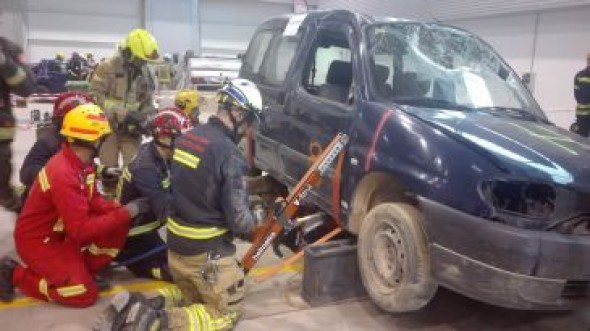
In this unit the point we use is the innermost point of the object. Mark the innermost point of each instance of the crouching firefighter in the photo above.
(188, 101)
(209, 208)
(67, 232)
(49, 145)
(148, 176)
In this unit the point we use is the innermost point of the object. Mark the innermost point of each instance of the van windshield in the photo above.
(434, 66)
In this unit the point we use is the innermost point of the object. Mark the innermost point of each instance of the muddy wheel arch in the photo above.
(373, 189)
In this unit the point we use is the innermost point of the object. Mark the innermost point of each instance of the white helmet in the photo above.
(167, 57)
(244, 94)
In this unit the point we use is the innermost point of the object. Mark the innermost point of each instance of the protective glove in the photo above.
(133, 123)
(137, 207)
(111, 172)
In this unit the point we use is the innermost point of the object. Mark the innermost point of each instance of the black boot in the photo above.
(7, 266)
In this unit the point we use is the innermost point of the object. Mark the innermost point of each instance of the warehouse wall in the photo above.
(563, 39)
(227, 25)
(174, 24)
(81, 25)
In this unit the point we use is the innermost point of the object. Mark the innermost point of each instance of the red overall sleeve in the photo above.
(80, 222)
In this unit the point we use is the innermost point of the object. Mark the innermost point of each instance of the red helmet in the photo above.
(67, 101)
(169, 122)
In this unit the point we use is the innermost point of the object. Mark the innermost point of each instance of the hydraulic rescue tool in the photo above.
(281, 218)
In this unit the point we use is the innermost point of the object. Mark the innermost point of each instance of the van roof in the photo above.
(314, 15)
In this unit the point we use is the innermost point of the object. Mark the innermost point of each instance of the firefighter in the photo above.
(148, 175)
(165, 72)
(188, 101)
(50, 144)
(123, 87)
(209, 208)
(14, 78)
(75, 67)
(582, 95)
(67, 232)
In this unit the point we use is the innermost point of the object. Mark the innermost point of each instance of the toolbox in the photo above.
(331, 273)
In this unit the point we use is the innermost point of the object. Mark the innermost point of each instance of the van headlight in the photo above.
(520, 203)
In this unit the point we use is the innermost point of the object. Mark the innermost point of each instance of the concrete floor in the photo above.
(277, 304)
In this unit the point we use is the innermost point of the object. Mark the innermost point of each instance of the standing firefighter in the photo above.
(123, 87)
(67, 232)
(14, 78)
(188, 101)
(209, 208)
(148, 175)
(582, 95)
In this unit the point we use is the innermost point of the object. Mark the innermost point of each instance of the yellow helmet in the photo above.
(141, 44)
(60, 55)
(187, 100)
(86, 122)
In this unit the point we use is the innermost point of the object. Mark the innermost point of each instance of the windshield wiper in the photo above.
(519, 112)
(432, 103)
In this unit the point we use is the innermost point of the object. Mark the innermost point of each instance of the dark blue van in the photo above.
(453, 175)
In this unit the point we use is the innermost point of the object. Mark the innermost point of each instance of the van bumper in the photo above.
(504, 265)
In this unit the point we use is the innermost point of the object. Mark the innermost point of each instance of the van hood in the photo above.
(526, 148)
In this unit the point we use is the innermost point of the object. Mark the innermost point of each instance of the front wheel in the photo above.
(394, 259)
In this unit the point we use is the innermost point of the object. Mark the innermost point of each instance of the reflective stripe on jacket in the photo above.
(209, 198)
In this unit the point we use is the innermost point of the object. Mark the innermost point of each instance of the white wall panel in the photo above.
(563, 39)
(173, 24)
(12, 21)
(227, 25)
(82, 25)
(448, 9)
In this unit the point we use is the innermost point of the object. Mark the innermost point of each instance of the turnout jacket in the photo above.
(582, 91)
(64, 204)
(14, 78)
(38, 156)
(146, 176)
(209, 198)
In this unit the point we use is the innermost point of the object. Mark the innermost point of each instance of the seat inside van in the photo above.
(338, 81)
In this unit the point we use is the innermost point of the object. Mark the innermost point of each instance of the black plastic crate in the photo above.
(331, 273)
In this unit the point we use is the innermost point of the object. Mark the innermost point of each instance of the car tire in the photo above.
(393, 258)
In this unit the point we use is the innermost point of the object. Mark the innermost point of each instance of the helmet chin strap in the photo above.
(90, 145)
(237, 124)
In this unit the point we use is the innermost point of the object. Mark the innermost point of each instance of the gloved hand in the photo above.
(137, 207)
(111, 172)
(133, 123)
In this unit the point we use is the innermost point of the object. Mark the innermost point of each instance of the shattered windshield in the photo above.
(434, 66)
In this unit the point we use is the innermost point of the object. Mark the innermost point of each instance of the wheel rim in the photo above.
(387, 256)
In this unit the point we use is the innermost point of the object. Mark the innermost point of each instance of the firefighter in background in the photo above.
(14, 78)
(59, 62)
(148, 175)
(188, 101)
(76, 67)
(67, 232)
(582, 95)
(203, 223)
(165, 72)
(123, 87)
(90, 62)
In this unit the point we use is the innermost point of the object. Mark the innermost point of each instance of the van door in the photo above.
(269, 70)
(323, 102)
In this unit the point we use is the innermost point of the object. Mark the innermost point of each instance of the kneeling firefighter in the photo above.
(67, 232)
(148, 176)
(209, 208)
(188, 101)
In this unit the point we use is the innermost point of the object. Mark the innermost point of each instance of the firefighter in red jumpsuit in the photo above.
(67, 232)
